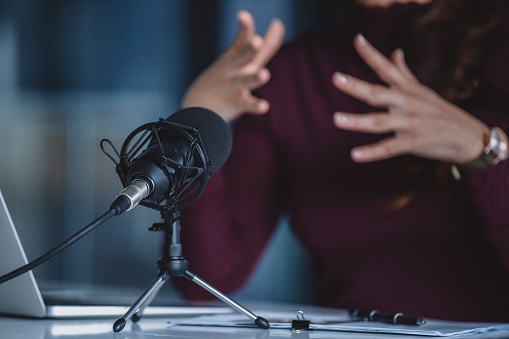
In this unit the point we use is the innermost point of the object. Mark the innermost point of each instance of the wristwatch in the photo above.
(496, 149)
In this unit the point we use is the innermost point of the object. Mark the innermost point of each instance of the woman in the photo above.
(370, 196)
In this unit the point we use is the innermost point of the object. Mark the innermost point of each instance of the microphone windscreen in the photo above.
(214, 132)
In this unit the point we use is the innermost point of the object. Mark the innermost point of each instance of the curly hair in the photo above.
(445, 47)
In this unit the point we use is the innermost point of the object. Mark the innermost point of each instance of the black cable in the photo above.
(71, 240)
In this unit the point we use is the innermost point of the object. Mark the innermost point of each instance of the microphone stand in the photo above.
(173, 264)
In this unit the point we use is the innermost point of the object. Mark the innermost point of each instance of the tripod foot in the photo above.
(119, 325)
(135, 312)
(262, 323)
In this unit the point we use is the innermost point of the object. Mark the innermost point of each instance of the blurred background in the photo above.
(73, 72)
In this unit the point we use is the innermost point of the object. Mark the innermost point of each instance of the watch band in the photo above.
(496, 149)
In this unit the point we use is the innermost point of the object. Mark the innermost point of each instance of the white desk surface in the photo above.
(23, 328)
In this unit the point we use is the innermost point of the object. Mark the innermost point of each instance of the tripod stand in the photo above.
(173, 264)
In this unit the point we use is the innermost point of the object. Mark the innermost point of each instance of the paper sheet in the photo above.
(343, 323)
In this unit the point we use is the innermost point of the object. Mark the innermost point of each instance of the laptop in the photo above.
(21, 296)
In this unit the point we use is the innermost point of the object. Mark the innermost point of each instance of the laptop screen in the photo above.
(21, 295)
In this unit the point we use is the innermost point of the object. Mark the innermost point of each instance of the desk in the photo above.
(22, 328)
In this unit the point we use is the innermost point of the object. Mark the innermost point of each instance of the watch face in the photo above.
(498, 145)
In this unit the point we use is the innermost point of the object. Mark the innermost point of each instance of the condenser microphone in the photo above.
(161, 164)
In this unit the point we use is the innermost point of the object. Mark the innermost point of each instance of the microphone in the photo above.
(161, 164)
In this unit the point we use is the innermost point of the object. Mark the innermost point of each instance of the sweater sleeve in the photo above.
(489, 189)
(225, 231)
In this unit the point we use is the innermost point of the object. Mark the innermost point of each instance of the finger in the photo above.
(374, 95)
(254, 105)
(378, 122)
(246, 54)
(366, 122)
(246, 29)
(272, 41)
(398, 57)
(382, 66)
(252, 81)
(387, 148)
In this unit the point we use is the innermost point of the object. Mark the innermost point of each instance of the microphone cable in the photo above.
(121, 204)
(114, 211)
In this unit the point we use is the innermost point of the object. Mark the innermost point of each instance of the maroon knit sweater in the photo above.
(440, 256)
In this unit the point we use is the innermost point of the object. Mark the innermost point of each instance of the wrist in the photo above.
(495, 149)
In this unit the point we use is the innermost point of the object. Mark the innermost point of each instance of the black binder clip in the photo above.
(300, 324)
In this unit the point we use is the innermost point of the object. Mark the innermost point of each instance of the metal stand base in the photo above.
(174, 265)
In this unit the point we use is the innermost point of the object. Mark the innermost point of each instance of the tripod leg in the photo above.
(142, 302)
(152, 294)
(259, 321)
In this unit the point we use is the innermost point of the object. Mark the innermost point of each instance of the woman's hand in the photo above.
(424, 124)
(225, 87)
